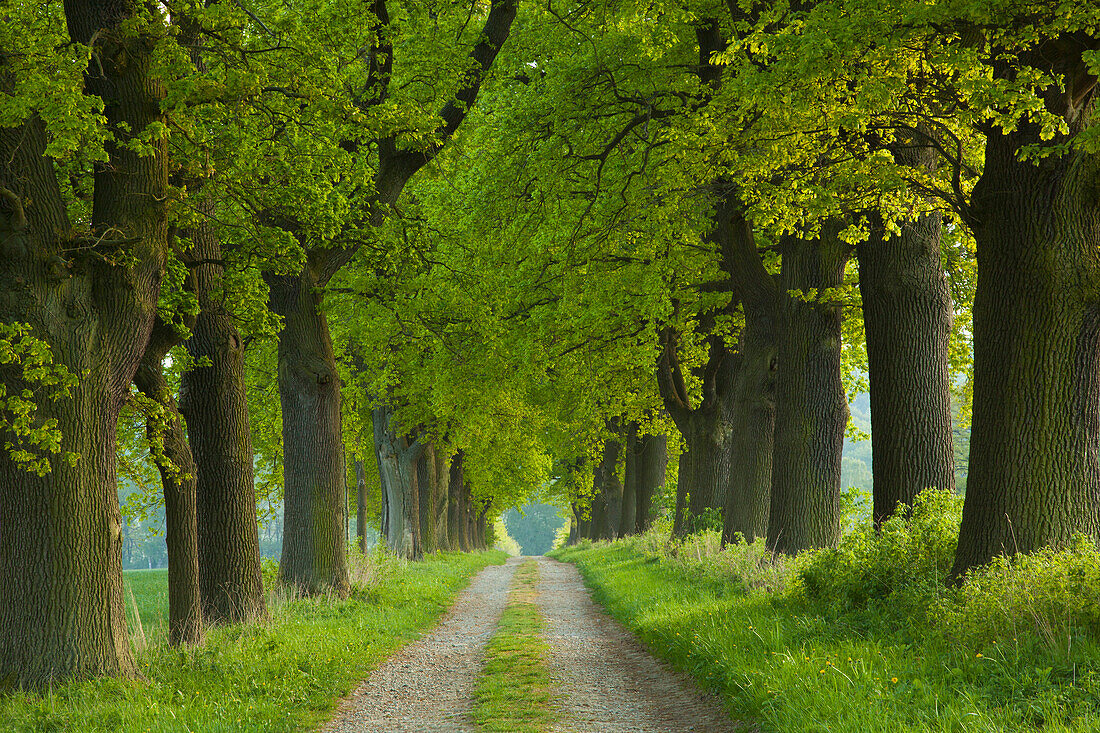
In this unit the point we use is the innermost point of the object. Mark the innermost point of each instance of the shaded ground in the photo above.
(605, 680)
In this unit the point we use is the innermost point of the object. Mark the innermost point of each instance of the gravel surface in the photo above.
(605, 681)
(427, 685)
(608, 682)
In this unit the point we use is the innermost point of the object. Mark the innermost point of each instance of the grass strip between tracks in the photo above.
(513, 693)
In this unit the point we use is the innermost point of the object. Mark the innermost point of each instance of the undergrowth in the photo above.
(285, 675)
(868, 636)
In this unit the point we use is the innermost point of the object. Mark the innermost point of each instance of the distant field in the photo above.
(149, 589)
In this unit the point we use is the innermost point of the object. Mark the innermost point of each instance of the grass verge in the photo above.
(283, 676)
(513, 693)
(789, 666)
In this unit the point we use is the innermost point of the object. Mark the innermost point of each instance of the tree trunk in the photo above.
(748, 495)
(214, 400)
(61, 608)
(811, 407)
(397, 466)
(314, 549)
(628, 516)
(456, 506)
(1033, 478)
(425, 466)
(705, 465)
(612, 489)
(440, 504)
(177, 471)
(652, 464)
(360, 505)
(907, 315)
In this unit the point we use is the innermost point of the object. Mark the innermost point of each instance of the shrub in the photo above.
(1051, 594)
(899, 571)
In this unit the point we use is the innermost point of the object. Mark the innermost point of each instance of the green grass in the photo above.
(283, 676)
(785, 667)
(513, 693)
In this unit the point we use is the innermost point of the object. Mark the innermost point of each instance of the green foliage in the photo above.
(1051, 596)
(896, 571)
(286, 675)
(28, 437)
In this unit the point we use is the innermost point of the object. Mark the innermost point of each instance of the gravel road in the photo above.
(609, 683)
(606, 682)
(426, 687)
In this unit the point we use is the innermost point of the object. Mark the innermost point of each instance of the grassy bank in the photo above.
(282, 676)
(513, 692)
(865, 638)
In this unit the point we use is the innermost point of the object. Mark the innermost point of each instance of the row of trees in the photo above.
(575, 246)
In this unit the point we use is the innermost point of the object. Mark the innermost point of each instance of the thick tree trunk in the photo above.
(752, 370)
(397, 466)
(811, 406)
(1033, 478)
(177, 471)
(61, 606)
(214, 401)
(425, 479)
(612, 488)
(314, 550)
(748, 496)
(628, 515)
(652, 463)
(440, 499)
(704, 465)
(360, 506)
(907, 315)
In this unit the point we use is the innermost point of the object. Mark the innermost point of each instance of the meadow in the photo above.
(284, 675)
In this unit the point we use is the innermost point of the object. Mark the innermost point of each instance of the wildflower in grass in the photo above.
(894, 680)
(978, 655)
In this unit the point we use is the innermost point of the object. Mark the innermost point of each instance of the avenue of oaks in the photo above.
(489, 249)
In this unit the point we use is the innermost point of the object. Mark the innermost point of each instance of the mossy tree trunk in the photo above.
(214, 400)
(811, 406)
(907, 314)
(61, 607)
(652, 463)
(314, 557)
(1033, 477)
(397, 466)
(628, 515)
(456, 503)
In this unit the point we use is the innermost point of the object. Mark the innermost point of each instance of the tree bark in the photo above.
(425, 466)
(455, 503)
(652, 463)
(628, 515)
(177, 469)
(907, 315)
(811, 406)
(440, 499)
(397, 466)
(1033, 478)
(61, 609)
(360, 506)
(214, 400)
(314, 557)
